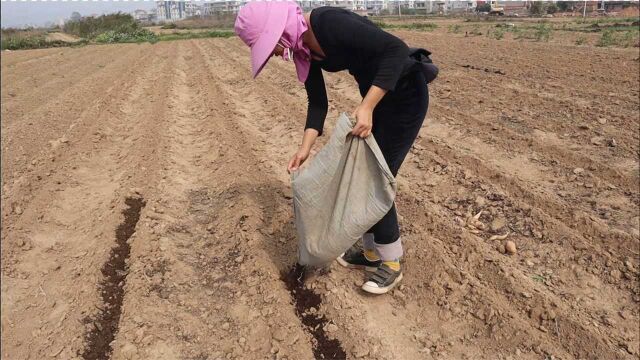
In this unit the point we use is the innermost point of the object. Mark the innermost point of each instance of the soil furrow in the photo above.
(72, 217)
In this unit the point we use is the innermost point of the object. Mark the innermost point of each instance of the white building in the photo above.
(171, 10)
(222, 6)
(192, 8)
(140, 15)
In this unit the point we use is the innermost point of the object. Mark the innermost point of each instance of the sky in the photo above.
(37, 13)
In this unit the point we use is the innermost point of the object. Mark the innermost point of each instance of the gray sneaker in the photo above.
(383, 280)
(354, 259)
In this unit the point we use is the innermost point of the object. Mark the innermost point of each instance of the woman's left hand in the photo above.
(364, 121)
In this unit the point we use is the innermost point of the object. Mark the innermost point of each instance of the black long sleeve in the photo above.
(362, 37)
(351, 42)
(317, 95)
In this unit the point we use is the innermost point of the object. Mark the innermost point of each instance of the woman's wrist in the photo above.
(308, 140)
(366, 105)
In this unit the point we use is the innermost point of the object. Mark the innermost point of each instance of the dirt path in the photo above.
(181, 130)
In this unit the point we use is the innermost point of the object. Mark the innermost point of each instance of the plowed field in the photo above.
(146, 207)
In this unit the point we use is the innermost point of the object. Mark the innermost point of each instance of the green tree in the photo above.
(537, 8)
(565, 5)
(552, 8)
(483, 7)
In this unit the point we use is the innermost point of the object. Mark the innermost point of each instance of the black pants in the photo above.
(396, 122)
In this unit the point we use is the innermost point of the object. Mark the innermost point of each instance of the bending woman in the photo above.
(393, 107)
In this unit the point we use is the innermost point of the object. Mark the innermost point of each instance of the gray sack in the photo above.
(346, 189)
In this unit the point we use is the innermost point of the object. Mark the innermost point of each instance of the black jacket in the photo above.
(354, 43)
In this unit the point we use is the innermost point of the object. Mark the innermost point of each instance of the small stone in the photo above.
(584, 127)
(136, 191)
(609, 321)
(551, 315)
(616, 274)
(625, 314)
(529, 263)
(543, 329)
(578, 171)
(497, 224)
(328, 286)
(64, 140)
(225, 326)
(18, 210)
(631, 347)
(242, 340)
(628, 264)
(239, 259)
(510, 247)
(332, 328)
(597, 140)
(280, 334)
(612, 143)
(602, 121)
(129, 351)
(480, 201)
(360, 351)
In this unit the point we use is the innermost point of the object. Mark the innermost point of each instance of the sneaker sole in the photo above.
(342, 262)
(377, 290)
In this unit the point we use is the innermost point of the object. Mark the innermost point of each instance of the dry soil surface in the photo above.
(146, 208)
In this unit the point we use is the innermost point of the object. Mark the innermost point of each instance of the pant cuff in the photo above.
(389, 252)
(367, 241)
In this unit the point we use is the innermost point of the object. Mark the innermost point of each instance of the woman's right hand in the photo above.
(298, 158)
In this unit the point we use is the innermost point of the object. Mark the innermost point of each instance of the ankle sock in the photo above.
(393, 264)
(371, 255)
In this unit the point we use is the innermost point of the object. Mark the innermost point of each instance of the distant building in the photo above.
(144, 16)
(192, 9)
(509, 6)
(141, 15)
(612, 6)
(171, 10)
(222, 6)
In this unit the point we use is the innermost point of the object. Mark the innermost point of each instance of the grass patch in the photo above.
(123, 32)
(19, 39)
(454, 28)
(497, 34)
(606, 20)
(90, 27)
(475, 30)
(411, 26)
(540, 32)
(538, 278)
(169, 26)
(216, 21)
(196, 35)
(581, 40)
(136, 36)
(620, 39)
(543, 32)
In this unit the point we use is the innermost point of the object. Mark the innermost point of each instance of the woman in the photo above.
(393, 107)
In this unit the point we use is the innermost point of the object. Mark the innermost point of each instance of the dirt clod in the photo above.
(510, 247)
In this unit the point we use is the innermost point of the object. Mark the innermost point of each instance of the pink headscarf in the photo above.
(262, 24)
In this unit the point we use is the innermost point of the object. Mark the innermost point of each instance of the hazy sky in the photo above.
(20, 13)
